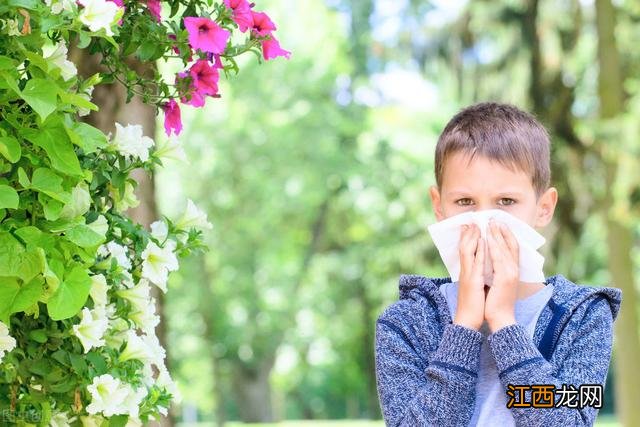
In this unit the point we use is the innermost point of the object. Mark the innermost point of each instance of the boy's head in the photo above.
(494, 156)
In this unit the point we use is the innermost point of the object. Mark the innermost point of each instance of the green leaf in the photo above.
(51, 207)
(84, 236)
(38, 61)
(77, 100)
(87, 137)
(39, 335)
(10, 148)
(6, 63)
(118, 420)
(55, 141)
(79, 363)
(8, 197)
(71, 295)
(16, 261)
(40, 94)
(48, 182)
(23, 179)
(11, 82)
(35, 237)
(85, 39)
(15, 298)
(27, 4)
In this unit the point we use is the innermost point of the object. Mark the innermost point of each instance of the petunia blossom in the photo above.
(206, 35)
(271, 49)
(205, 77)
(155, 8)
(262, 24)
(241, 13)
(172, 117)
(100, 15)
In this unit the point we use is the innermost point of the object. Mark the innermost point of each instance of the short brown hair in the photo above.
(500, 132)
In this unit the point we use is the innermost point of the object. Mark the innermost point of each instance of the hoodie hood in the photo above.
(566, 294)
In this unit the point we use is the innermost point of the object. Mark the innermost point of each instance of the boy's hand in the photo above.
(501, 298)
(471, 294)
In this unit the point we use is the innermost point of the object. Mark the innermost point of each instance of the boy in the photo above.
(453, 354)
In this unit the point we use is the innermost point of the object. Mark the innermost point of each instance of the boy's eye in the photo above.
(465, 202)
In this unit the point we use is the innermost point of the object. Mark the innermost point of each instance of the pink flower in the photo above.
(154, 8)
(200, 81)
(172, 118)
(217, 63)
(119, 3)
(205, 77)
(271, 49)
(241, 13)
(262, 25)
(206, 35)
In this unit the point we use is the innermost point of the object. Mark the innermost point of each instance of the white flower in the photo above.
(110, 396)
(58, 6)
(193, 217)
(91, 329)
(138, 295)
(130, 142)
(61, 419)
(107, 396)
(159, 230)
(118, 252)
(7, 342)
(131, 404)
(158, 353)
(79, 204)
(146, 318)
(100, 14)
(98, 290)
(157, 262)
(165, 380)
(170, 148)
(127, 200)
(117, 332)
(85, 95)
(59, 59)
(136, 348)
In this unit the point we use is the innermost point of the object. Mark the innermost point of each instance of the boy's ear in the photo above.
(435, 202)
(546, 207)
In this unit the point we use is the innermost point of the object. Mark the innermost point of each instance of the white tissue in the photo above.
(446, 236)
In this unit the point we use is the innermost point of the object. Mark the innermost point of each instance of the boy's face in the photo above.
(487, 184)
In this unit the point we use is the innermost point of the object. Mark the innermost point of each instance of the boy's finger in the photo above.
(478, 263)
(495, 251)
(511, 241)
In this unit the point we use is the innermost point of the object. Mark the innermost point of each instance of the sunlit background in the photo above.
(314, 173)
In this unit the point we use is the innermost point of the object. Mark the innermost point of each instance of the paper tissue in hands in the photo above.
(446, 236)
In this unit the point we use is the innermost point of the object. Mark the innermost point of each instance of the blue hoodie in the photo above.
(427, 366)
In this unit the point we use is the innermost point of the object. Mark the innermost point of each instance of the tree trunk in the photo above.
(619, 234)
(111, 99)
(253, 391)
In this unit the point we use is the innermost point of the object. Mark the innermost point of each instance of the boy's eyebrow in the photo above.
(503, 193)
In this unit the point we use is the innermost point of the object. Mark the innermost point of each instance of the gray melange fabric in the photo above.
(427, 367)
(491, 400)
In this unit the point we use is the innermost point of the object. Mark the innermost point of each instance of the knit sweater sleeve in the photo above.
(416, 388)
(519, 362)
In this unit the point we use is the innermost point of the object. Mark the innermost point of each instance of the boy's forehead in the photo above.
(464, 175)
